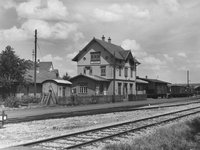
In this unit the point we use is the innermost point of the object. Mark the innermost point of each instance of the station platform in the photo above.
(20, 148)
(48, 112)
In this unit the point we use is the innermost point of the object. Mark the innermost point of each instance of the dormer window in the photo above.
(95, 57)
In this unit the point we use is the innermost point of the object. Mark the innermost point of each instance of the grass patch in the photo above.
(182, 136)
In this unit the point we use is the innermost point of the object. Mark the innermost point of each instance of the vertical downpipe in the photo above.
(114, 78)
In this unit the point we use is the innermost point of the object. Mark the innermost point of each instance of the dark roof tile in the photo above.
(154, 80)
(95, 77)
(113, 49)
(41, 76)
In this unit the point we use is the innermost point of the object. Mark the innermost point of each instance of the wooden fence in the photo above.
(97, 99)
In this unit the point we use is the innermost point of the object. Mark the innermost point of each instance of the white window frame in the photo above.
(95, 57)
(103, 70)
(83, 89)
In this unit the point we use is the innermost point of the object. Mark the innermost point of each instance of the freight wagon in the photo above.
(180, 90)
(156, 88)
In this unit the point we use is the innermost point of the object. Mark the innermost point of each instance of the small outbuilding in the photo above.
(53, 89)
(60, 87)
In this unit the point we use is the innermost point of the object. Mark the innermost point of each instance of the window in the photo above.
(131, 72)
(131, 88)
(120, 71)
(119, 88)
(63, 92)
(87, 70)
(84, 70)
(74, 91)
(95, 57)
(83, 89)
(126, 72)
(101, 89)
(90, 70)
(60, 92)
(103, 70)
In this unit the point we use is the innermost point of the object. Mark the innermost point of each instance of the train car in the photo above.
(156, 88)
(181, 90)
(197, 89)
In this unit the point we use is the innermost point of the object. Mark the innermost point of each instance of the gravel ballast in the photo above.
(15, 134)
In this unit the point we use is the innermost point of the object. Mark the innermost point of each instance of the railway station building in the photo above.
(104, 68)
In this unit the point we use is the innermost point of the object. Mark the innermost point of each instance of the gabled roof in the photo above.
(42, 66)
(94, 77)
(141, 81)
(45, 66)
(154, 80)
(43, 72)
(113, 49)
(180, 85)
(41, 76)
(185, 84)
(59, 81)
(196, 87)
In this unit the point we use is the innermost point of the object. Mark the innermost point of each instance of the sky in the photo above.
(163, 35)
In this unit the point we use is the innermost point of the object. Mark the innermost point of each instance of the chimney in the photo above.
(109, 40)
(146, 77)
(103, 38)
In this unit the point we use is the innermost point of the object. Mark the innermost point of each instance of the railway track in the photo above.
(94, 136)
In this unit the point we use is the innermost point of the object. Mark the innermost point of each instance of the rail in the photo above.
(98, 134)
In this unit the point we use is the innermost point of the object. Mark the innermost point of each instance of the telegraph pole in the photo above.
(188, 78)
(114, 78)
(35, 65)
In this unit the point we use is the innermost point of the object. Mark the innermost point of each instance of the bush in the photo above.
(29, 99)
(177, 137)
(11, 102)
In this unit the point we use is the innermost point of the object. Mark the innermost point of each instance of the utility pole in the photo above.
(188, 78)
(35, 65)
(188, 89)
(114, 78)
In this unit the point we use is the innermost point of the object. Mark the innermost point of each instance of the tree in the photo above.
(12, 69)
(66, 76)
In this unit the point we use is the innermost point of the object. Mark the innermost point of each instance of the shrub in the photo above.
(11, 102)
(29, 99)
(177, 137)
